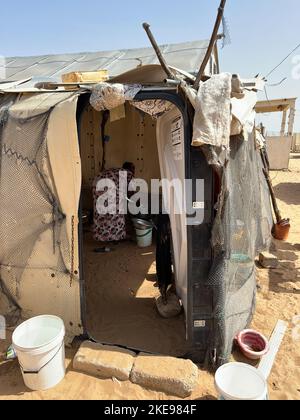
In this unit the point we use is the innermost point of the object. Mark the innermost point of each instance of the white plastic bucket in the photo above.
(238, 381)
(144, 237)
(39, 344)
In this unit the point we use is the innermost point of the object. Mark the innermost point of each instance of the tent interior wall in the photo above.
(132, 139)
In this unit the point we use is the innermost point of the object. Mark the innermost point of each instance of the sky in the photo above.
(262, 33)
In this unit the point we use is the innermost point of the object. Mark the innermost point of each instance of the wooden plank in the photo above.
(267, 362)
(275, 105)
(83, 77)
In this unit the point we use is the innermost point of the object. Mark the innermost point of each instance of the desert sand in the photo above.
(120, 301)
(278, 298)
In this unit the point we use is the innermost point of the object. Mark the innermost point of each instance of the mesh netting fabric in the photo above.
(29, 207)
(242, 229)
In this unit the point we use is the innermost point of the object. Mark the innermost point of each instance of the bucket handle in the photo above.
(145, 234)
(36, 372)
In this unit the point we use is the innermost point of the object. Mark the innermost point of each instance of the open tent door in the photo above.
(171, 148)
(191, 233)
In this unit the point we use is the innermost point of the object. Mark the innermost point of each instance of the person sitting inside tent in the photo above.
(111, 227)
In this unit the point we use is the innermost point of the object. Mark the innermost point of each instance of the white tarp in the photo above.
(108, 96)
(172, 165)
(212, 112)
(223, 107)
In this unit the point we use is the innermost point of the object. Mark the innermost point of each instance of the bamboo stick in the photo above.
(158, 52)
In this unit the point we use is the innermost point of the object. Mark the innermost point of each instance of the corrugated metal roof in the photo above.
(186, 56)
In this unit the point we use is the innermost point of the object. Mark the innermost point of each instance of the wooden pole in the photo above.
(291, 120)
(272, 192)
(213, 40)
(105, 118)
(158, 52)
(283, 124)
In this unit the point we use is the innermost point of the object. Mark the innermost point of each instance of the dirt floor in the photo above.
(278, 298)
(120, 296)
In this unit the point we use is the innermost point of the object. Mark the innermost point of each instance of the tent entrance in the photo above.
(119, 286)
(120, 300)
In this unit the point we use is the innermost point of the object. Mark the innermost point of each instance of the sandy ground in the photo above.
(120, 296)
(278, 298)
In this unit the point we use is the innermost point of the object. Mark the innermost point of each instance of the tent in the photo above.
(51, 152)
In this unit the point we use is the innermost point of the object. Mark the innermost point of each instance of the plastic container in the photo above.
(144, 237)
(142, 224)
(144, 232)
(240, 382)
(281, 231)
(39, 344)
(252, 344)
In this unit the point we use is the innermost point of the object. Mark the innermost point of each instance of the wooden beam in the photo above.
(291, 121)
(158, 52)
(275, 105)
(283, 124)
(211, 46)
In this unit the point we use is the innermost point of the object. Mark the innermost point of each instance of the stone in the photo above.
(172, 309)
(104, 362)
(268, 260)
(172, 376)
